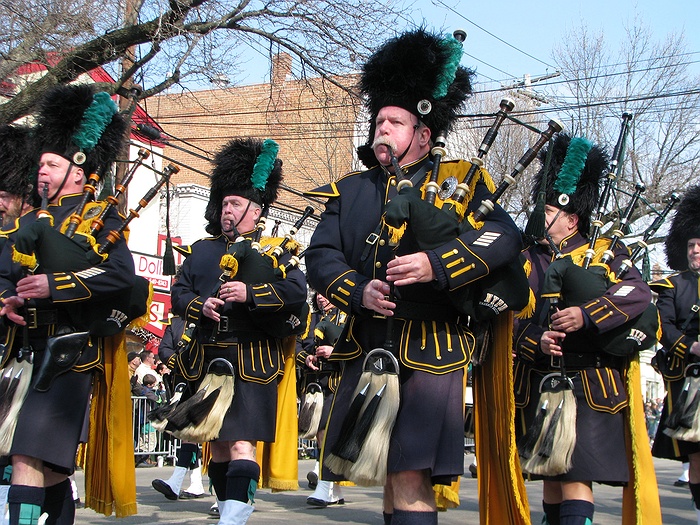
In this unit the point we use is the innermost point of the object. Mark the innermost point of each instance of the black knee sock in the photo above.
(217, 476)
(576, 512)
(408, 517)
(695, 492)
(187, 457)
(25, 504)
(59, 504)
(242, 480)
(551, 513)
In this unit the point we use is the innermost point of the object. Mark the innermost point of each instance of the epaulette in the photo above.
(330, 190)
(185, 250)
(663, 284)
(205, 239)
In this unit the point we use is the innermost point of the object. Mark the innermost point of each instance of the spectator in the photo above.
(164, 387)
(148, 364)
(147, 438)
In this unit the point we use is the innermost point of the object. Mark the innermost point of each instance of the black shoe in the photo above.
(188, 495)
(312, 478)
(78, 503)
(472, 469)
(680, 483)
(162, 487)
(214, 511)
(315, 502)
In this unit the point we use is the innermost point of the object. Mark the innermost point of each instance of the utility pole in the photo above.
(523, 88)
(131, 13)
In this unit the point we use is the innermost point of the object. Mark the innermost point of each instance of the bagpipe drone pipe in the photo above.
(505, 288)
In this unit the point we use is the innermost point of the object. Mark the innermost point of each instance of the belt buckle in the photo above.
(372, 238)
(31, 318)
(223, 324)
(555, 362)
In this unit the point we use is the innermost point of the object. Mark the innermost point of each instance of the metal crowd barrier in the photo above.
(147, 440)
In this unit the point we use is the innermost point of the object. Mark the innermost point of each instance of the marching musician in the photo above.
(679, 303)
(324, 329)
(570, 180)
(45, 306)
(351, 261)
(230, 317)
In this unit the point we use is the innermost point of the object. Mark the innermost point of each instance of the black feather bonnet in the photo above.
(245, 167)
(82, 125)
(419, 72)
(685, 226)
(18, 162)
(572, 176)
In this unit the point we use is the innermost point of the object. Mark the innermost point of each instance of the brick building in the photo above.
(315, 122)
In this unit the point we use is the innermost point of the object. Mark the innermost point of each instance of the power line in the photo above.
(449, 8)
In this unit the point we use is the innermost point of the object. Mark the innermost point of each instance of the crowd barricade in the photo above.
(307, 448)
(147, 440)
(150, 442)
(469, 445)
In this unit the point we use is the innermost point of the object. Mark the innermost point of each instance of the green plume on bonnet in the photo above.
(572, 167)
(454, 49)
(95, 120)
(264, 164)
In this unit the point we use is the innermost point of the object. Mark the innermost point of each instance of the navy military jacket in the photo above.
(200, 279)
(350, 247)
(678, 307)
(79, 293)
(348, 250)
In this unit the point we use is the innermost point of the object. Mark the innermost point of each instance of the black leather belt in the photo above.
(425, 312)
(592, 360)
(229, 324)
(37, 317)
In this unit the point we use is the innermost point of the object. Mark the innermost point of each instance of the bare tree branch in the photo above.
(326, 35)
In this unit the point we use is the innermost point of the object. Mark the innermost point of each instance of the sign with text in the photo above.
(151, 268)
(160, 307)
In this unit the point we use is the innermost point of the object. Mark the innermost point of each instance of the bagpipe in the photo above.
(505, 288)
(574, 281)
(199, 418)
(249, 262)
(433, 226)
(73, 247)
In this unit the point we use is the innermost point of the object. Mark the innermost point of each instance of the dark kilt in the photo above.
(600, 452)
(664, 446)
(50, 424)
(252, 415)
(429, 429)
